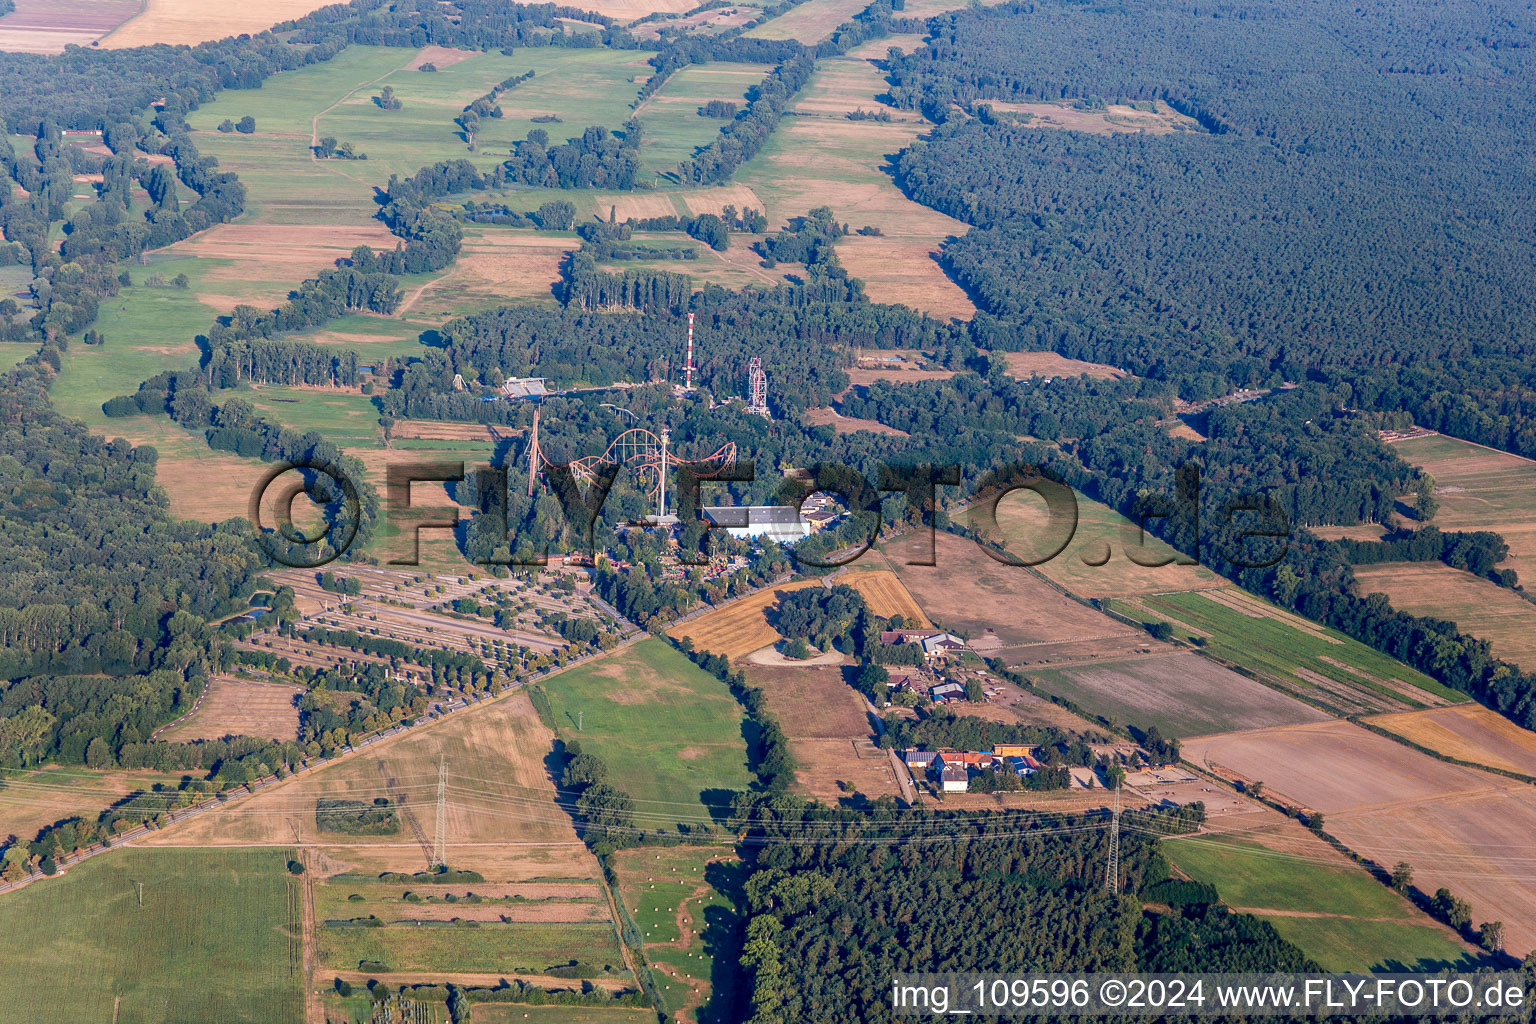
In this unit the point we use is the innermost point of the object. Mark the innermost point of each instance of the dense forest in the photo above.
(1316, 202)
(840, 901)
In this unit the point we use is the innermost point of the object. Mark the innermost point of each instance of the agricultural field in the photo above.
(475, 947)
(502, 818)
(740, 627)
(517, 1013)
(239, 707)
(1113, 119)
(809, 22)
(35, 797)
(829, 730)
(1459, 828)
(216, 939)
(1480, 489)
(1025, 365)
(1003, 610)
(1339, 915)
(1182, 694)
(687, 925)
(818, 157)
(1478, 606)
(1309, 661)
(48, 26)
(1467, 732)
(1102, 536)
(705, 22)
(669, 730)
(674, 127)
(882, 590)
(191, 22)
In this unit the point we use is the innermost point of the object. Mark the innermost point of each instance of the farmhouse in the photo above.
(781, 523)
(954, 779)
(920, 760)
(946, 692)
(935, 644)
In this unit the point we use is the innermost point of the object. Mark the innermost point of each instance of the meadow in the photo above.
(686, 925)
(671, 733)
(674, 128)
(1478, 606)
(214, 941)
(1336, 913)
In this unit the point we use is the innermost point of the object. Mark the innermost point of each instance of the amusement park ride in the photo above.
(646, 454)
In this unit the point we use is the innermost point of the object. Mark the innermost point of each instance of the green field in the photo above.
(491, 947)
(147, 330)
(674, 128)
(213, 943)
(1355, 923)
(656, 887)
(520, 1013)
(13, 353)
(582, 87)
(1345, 676)
(670, 732)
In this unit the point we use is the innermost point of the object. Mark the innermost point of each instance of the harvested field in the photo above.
(1477, 606)
(281, 254)
(829, 732)
(828, 417)
(628, 10)
(502, 815)
(47, 26)
(1051, 364)
(1183, 431)
(1480, 489)
(1470, 732)
(495, 266)
(440, 430)
(1364, 531)
(713, 200)
(1182, 694)
(35, 797)
(688, 926)
(739, 628)
(886, 596)
(1114, 119)
(1003, 609)
(706, 22)
(198, 21)
(240, 707)
(1105, 555)
(862, 376)
(809, 22)
(816, 158)
(1459, 828)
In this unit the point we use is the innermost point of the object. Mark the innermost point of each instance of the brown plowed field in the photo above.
(1460, 828)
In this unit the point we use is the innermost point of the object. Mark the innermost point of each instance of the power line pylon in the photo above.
(1112, 870)
(440, 836)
